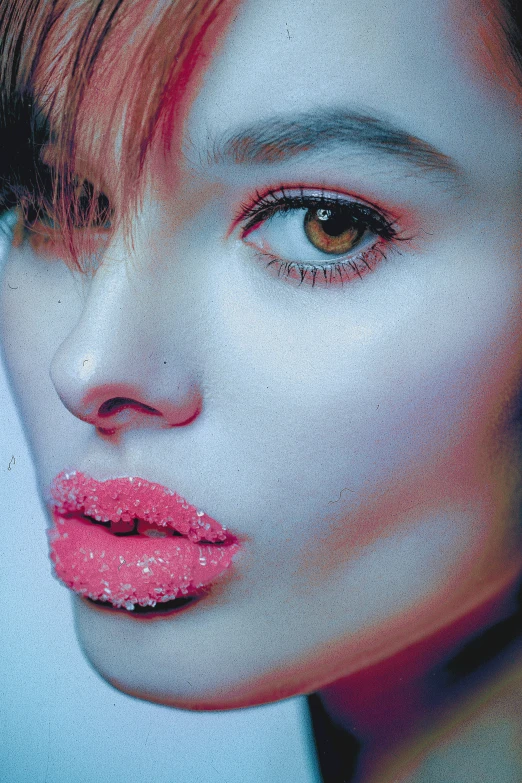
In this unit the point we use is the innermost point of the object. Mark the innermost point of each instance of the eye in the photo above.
(315, 236)
(88, 209)
(87, 223)
(333, 231)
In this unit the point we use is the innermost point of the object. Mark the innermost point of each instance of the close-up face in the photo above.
(314, 336)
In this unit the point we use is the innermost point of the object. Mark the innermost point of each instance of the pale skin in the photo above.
(361, 438)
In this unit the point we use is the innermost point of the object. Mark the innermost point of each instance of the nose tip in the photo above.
(156, 399)
(117, 371)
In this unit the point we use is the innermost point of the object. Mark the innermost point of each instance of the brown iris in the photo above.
(333, 231)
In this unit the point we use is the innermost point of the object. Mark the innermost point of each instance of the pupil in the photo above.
(333, 223)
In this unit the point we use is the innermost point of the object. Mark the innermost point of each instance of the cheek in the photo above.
(379, 412)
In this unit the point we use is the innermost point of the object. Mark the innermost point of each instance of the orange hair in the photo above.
(91, 84)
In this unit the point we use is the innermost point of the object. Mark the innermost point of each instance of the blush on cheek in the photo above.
(455, 485)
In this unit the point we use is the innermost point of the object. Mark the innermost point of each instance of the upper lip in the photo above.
(130, 497)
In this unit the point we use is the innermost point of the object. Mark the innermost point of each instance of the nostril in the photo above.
(116, 404)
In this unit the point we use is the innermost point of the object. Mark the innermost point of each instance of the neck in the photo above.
(402, 706)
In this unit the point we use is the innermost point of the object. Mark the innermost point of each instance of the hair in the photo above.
(511, 23)
(64, 62)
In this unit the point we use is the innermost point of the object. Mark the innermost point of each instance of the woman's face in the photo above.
(359, 435)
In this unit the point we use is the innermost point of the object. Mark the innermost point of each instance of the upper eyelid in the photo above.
(308, 192)
(289, 199)
(273, 198)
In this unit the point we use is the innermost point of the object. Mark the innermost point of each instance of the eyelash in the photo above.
(281, 201)
(37, 224)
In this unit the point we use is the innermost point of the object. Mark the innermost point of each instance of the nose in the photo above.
(122, 366)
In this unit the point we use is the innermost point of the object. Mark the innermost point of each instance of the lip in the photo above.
(174, 551)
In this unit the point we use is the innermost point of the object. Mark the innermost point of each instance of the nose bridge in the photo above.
(115, 369)
(96, 333)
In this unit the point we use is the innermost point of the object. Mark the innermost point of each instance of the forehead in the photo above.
(421, 64)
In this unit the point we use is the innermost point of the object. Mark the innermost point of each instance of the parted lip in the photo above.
(129, 498)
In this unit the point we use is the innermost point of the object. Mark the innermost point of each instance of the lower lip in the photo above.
(126, 571)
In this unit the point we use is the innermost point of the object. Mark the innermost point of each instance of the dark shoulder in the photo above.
(337, 750)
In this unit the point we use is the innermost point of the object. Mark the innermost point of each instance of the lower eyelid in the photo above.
(338, 272)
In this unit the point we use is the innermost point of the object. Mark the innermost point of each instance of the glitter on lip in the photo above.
(127, 498)
(133, 569)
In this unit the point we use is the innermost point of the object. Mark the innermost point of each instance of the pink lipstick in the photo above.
(128, 541)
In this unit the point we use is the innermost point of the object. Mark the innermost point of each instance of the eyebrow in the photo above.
(278, 139)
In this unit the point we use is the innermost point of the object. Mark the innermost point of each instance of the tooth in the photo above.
(146, 529)
(122, 526)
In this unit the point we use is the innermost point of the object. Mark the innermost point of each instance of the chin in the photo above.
(206, 701)
(157, 673)
(198, 696)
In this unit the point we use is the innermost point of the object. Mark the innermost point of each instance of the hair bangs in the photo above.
(91, 86)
